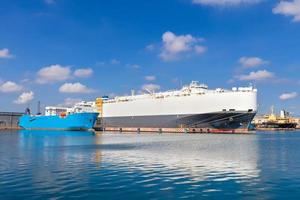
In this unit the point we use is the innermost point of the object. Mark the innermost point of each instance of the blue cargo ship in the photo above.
(80, 117)
(74, 121)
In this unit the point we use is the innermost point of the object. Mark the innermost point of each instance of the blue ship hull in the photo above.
(75, 121)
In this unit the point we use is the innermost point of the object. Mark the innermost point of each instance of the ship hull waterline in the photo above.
(219, 121)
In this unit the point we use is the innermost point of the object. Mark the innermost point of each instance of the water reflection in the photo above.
(167, 166)
(98, 153)
(145, 161)
(198, 156)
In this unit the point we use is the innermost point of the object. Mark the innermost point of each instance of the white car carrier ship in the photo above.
(194, 108)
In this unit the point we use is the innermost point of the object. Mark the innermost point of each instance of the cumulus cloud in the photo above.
(74, 88)
(286, 96)
(53, 73)
(150, 47)
(133, 66)
(83, 73)
(249, 62)
(174, 46)
(200, 49)
(225, 2)
(150, 87)
(256, 76)
(288, 8)
(69, 102)
(25, 97)
(4, 53)
(10, 86)
(100, 63)
(150, 78)
(115, 62)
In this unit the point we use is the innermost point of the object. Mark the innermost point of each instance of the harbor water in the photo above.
(59, 165)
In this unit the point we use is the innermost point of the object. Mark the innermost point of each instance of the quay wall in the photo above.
(174, 130)
(9, 120)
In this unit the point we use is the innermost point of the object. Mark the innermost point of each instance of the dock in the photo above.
(9, 120)
(175, 130)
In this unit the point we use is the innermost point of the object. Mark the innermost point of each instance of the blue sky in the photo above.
(61, 51)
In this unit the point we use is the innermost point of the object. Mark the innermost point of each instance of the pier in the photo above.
(9, 120)
(177, 130)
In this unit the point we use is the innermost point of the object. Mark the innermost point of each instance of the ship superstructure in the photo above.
(80, 107)
(193, 106)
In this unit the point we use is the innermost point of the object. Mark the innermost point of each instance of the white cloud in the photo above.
(200, 49)
(174, 45)
(150, 47)
(150, 87)
(286, 96)
(150, 78)
(288, 8)
(53, 73)
(249, 62)
(10, 86)
(225, 2)
(69, 102)
(4, 53)
(256, 76)
(135, 66)
(100, 63)
(25, 97)
(83, 73)
(115, 62)
(74, 88)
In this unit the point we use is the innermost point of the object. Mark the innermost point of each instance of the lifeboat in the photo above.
(63, 114)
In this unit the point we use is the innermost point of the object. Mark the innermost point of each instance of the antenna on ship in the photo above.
(39, 108)
(27, 110)
(149, 91)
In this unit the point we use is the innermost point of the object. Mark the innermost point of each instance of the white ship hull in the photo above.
(207, 109)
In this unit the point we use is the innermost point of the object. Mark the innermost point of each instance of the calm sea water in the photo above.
(57, 165)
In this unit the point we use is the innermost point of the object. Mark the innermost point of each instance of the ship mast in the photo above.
(39, 108)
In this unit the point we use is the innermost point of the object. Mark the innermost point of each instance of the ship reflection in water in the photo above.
(44, 164)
